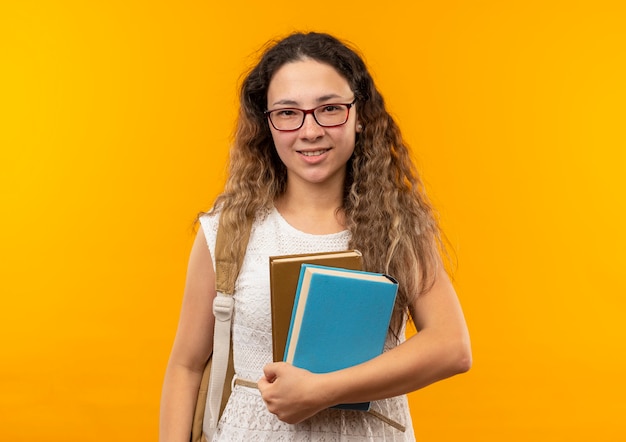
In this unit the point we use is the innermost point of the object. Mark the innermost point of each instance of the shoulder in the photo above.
(209, 219)
(207, 233)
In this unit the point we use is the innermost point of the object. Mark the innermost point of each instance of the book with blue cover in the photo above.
(340, 319)
(284, 276)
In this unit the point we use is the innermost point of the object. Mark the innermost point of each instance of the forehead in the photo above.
(307, 82)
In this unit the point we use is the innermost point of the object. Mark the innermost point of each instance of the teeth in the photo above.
(314, 153)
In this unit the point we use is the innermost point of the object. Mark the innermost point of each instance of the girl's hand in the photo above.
(291, 393)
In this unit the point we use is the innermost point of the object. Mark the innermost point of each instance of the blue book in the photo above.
(340, 318)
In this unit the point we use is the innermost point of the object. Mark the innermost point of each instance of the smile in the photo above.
(314, 153)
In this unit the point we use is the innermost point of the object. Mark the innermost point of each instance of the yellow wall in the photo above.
(114, 127)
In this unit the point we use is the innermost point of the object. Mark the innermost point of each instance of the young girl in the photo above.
(320, 165)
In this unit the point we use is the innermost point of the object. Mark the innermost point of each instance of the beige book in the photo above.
(284, 275)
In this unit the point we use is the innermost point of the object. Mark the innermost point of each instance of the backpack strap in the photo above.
(227, 267)
(226, 271)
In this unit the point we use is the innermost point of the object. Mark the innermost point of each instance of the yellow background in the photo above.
(114, 128)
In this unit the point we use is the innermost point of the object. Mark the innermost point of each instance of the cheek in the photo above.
(350, 141)
(276, 138)
(282, 141)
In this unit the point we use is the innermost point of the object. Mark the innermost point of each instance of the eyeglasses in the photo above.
(327, 115)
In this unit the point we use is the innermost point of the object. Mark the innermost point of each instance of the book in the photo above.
(284, 276)
(340, 319)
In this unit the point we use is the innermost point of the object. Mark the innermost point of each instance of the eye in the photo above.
(285, 113)
(331, 108)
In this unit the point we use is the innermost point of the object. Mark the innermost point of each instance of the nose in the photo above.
(310, 129)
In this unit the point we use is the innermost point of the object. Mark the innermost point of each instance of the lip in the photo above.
(313, 156)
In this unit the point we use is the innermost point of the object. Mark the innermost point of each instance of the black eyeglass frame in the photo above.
(306, 112)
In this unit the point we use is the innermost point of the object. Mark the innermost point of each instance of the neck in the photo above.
(313, 209)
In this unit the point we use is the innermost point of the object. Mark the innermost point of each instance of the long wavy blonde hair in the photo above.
(387, 212)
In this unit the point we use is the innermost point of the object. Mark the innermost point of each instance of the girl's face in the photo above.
(312, 154)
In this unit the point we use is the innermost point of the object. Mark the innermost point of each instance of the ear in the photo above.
(359, 127)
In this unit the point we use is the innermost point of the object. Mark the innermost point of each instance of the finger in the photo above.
(264, 383)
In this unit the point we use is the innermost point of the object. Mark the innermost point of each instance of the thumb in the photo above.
(269, 376)
(271, 371)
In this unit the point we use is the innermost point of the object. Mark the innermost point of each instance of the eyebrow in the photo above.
(322, 99)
